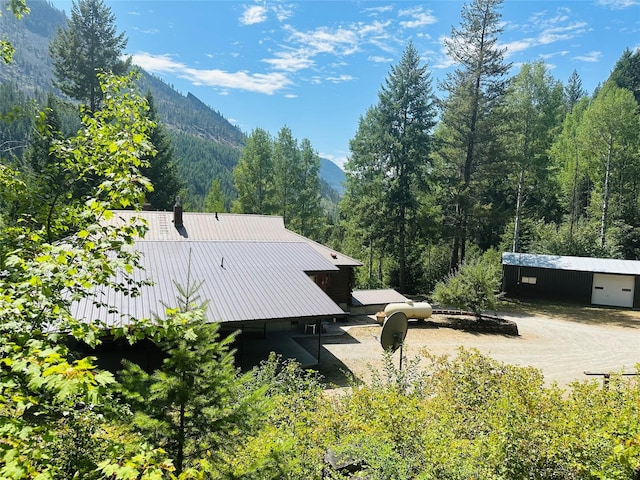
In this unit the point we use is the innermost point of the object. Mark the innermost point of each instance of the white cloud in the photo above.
(253, 14)
(149, 31)
(561, 53)
(269, 83)
(290, 61)
(618, 4)
(380, 59)
(590, 57)
(340, 41)
(518, 45)
(283, 12)
(419, 18)
(341, 78)
(378, 10)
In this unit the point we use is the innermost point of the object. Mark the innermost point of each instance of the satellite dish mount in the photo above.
(394, 331)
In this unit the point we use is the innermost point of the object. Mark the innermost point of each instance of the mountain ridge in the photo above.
(206, 145)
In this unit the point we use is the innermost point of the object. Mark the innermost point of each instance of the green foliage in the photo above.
(88, 46)
(387, 173)
(280, 177)
(196, 403)
(474, 286)
(214, 201)
(57, 414)
(254, 176)
(18, 9)
(162, 169)
(451, 418)
(469, 119)
(626, 72)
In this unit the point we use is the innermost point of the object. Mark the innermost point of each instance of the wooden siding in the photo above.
(340, 286)
(554, 284)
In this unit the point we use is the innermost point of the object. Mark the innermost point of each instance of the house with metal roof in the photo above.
(252, 270)
(255, 275)
(596, 281)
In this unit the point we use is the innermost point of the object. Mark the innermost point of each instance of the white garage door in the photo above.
(612, 290)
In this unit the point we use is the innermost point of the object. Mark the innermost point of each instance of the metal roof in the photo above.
(242, 281)
(376, 297)
(226, 227)
(579, 264)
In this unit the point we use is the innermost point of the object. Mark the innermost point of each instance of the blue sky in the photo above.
(316, 66)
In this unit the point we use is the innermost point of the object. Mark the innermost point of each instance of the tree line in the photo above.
(196, 416)
(520, 163)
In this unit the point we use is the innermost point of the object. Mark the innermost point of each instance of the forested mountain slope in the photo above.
(206, 145)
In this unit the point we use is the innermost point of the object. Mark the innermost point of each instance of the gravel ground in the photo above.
(608, 341)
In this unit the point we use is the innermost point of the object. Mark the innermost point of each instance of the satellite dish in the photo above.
(394, 330)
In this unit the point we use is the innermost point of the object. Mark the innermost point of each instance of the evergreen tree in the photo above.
(89, 45)
(364, 222)
(573, 91)
(391, 149)
(626, 72)
(474, 89)
(196, 401)
(162, 170)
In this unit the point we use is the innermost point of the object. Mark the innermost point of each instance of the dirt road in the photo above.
(562, 349)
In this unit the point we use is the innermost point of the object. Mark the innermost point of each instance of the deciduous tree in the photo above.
(254, 175)
(533, 109)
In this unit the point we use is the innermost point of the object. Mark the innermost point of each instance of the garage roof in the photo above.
(242, 281)
(579, 264)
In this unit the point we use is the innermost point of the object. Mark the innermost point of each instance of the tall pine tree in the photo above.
(162, 171)
(89, 45)
(391, 150)
(473, 90)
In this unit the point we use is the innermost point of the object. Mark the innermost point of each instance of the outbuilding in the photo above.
(595, 281)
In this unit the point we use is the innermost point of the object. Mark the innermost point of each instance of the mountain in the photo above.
(206, 145)
(332, 175)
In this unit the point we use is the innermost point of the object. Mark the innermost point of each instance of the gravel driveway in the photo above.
(562, 349)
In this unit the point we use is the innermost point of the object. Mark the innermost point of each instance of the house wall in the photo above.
(340, 286)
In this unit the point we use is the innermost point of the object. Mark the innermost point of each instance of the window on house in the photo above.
(529, 280)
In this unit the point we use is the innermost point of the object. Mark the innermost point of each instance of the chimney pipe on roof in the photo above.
(177, 213)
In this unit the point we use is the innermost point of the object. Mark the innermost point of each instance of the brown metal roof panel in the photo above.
(226, 227)
(208, 226)
(241, 281)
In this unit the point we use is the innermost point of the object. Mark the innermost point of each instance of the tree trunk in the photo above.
(516, 228)
(181, 437)
(574, 200)
(605, 195)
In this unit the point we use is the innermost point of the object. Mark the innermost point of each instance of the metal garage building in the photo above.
(597, 281)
